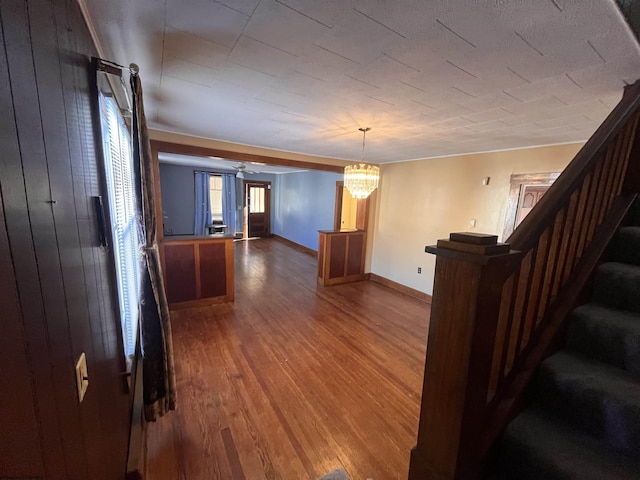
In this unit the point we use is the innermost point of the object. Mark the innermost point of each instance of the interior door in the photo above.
(257, 208)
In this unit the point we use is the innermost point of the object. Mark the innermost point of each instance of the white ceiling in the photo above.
(430, 78)
(221, 164)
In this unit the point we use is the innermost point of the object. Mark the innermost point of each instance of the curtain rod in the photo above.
(114, 68)
(214, 172)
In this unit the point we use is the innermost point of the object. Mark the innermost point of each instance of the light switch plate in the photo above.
(82, 376)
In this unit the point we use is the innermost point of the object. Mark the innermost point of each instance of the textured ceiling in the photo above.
(430, 78)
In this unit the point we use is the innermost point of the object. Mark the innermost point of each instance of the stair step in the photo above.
(625, 247)
(618, 285)
(606, 334)
(603, 400)
(537, 447)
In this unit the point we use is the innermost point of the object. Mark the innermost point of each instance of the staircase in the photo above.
(500, 309)
(584, 420)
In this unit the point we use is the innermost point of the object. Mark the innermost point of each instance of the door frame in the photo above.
(362, 209)
(267, 205)
(518, 183)
(337, 214)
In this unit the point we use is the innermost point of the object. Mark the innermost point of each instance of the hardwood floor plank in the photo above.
(293, 380)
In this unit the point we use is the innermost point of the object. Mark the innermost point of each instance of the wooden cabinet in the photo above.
(198, 270)
(341, 255)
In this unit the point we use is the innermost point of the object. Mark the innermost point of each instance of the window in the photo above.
(121, 192)
(256, 199)
(215, 197)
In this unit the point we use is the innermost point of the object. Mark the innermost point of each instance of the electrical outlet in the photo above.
(82, 376)
(419, 269)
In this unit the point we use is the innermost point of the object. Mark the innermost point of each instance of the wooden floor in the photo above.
(293, 380)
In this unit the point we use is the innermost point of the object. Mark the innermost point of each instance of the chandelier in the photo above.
(361, 179)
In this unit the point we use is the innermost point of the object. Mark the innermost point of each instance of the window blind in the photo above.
(121, 194)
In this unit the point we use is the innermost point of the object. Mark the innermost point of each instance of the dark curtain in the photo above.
(158, 372)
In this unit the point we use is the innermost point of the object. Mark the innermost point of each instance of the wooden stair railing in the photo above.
(497, 309)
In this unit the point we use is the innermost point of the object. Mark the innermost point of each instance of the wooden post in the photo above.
(469, 276)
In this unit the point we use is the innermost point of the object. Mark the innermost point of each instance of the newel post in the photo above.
(469, 276)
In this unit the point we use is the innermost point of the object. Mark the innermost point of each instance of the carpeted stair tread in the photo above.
(618, 285)
(536, 447)
(602, 399)
(606, 334)
(626, 245)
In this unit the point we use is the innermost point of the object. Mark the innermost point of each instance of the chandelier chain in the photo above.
(364, 131)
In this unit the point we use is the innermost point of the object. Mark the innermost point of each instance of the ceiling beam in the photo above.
(198, 151)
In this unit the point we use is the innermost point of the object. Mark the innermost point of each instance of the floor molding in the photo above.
(412, 292)
(300, 247)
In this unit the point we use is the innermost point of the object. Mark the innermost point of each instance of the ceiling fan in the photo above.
(242, 169)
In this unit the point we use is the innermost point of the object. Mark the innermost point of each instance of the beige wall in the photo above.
(421, 201)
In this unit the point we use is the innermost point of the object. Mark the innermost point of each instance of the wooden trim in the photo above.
(363, 254)
(362, 213)
(182, 149)
(136, 459)
(327, 282)
(298, 246)
(228, 253)
(518, 181)
(337, 211)
(267, 202)
(398, 287)
(157, 196)
(203, 302)
(534, 178)
(196, 259)
(188, 240)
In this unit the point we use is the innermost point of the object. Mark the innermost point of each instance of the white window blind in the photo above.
(121, 193)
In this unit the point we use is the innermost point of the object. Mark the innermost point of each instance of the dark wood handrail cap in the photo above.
(474, 247)
(474, 238)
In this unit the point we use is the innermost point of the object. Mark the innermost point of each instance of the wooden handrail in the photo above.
(497, 308)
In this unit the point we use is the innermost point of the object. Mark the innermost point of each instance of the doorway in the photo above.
(346, 209)
(257, 209)
(350, 213)
(526, 191)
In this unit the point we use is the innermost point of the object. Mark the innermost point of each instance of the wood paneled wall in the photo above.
(56, 285)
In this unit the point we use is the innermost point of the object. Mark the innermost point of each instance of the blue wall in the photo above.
(177, 184)
(301, 203)
(304, 204)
